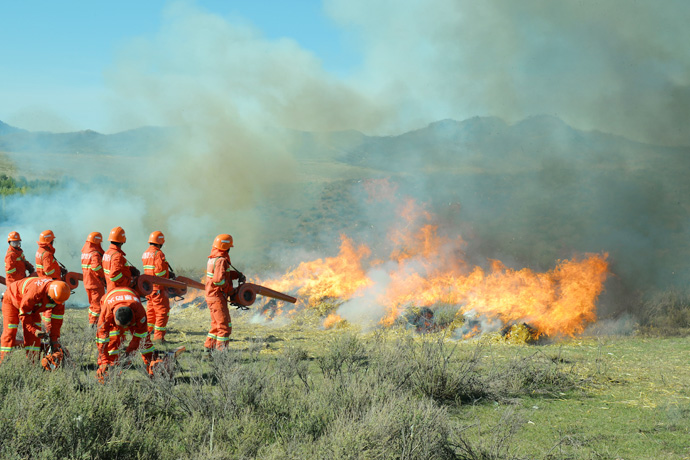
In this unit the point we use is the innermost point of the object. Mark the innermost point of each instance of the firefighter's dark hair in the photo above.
(124, 315)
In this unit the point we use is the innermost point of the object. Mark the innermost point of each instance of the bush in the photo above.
(665, 313)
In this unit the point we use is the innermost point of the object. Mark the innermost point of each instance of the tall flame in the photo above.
(425, 269)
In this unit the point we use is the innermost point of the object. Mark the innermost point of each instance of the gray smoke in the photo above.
(616, 66)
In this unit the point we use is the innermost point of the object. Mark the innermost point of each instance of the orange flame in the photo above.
(332, 320)
(426, 269)
(334, 277)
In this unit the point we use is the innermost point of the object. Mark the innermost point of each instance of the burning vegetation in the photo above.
(421, 274)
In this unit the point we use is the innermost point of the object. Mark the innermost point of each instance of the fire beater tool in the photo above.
(245, 295)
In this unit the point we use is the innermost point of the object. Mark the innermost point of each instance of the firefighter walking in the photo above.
(16, 265)
(94, 278)
(23, 302)
(158, 302)
(219, 277)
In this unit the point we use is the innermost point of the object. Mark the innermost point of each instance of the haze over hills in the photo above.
(528, 194)
(133, 142)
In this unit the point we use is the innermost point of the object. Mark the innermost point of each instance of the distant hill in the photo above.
(7, 129)
(141, 141)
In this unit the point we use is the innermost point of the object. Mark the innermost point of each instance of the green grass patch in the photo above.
(297, 391)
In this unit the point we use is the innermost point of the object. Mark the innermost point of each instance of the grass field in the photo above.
(298, 391)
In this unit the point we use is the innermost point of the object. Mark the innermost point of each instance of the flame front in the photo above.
(339, 277)
(425, 269)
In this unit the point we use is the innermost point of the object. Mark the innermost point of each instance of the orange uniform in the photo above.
(219, 276)
(24, 301)
(47, 266)
(116, 268)
(94, 278)
(110, 336)
(158, 302)
(46, 263)
(16, 265)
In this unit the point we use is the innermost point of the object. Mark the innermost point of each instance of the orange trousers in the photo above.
(95, 296)
(52, 318)
(158, 313)
(109, 353)
(10, 325)
(221, 324)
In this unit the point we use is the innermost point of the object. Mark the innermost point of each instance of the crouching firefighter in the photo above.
(47, 266)
(24, 301)
(121, 312)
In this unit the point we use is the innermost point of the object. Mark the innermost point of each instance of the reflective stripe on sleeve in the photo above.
(148, 350)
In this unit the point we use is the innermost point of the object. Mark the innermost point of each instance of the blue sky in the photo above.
(54, 54)
(381, 67)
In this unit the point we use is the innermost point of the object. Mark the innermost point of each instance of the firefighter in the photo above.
(25, 300)
(122, 312)
(158, 302)
(94, 279)
(118, 271)
(219, 277)
(16, 265)
(48, 266)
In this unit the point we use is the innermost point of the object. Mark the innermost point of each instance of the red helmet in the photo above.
(94, 237)
(13, 236)
(58, 291)
(46, 237)
(157, 238)
(117, 235)
(223, 242)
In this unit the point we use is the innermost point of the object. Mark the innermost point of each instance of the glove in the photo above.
(172, 274)
(242, 278)
(41, 334)
(134, 271)
(63, 273)
(52, 361)
(156, 367)
(28, 267)
(102, 373)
